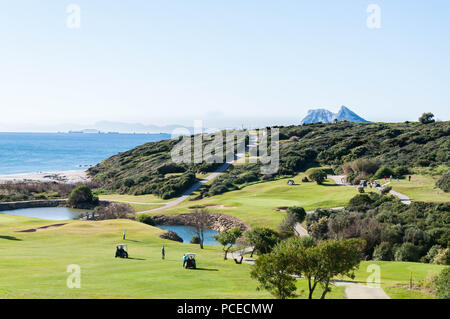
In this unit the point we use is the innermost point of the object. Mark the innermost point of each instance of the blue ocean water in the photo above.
(53, 152)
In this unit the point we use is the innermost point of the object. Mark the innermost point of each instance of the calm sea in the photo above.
(52, 152)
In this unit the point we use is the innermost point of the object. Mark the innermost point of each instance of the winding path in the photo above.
(340, 180)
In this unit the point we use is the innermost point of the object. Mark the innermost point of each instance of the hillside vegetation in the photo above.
(148, 169)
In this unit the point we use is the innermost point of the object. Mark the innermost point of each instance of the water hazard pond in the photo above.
(187, 232)
(49, 213)
(66, 213)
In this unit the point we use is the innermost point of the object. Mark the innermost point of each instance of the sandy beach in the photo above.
(70, 177)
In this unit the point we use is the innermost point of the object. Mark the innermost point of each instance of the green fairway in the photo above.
(421, 188)
(257, 204)
(34, 264)
(131, 198)
(396, 274)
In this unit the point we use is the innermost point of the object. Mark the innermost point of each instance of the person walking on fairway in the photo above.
(163, 252)
(409, 178)
(184, 260)
(124, 234)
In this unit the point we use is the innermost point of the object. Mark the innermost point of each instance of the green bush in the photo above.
(407, 252)
(442, 257)
(401, 171)
(195, 240)
(442, 284)
(383, 252)
(299, 213)
(383, 171)
(427, 118)
(129, 182)
(317, 175)
(444, 182)
(146, 219)
(82, 196)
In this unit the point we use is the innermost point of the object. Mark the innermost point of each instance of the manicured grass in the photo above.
(421, 188)
(137, 199)
(394, 274)
(142, 207)
(405, 293)
(257, 204)
(34, 264)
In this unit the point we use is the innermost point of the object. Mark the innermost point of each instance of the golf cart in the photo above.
(121, 251)
(190, 261)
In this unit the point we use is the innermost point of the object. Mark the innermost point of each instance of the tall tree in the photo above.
(228, 238)
(321, 263)
(272, 272)
(263, 239)
(200, 222)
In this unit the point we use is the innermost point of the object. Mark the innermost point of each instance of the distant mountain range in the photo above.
(326, 116)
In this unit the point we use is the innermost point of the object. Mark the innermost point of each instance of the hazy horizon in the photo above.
(253, 64)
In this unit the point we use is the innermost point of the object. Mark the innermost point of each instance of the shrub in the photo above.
(195, 240)
(431, 253)
(427, 118)
(407, 252)
(442, 257)
(361, 189)
(383, 252)
(82, 196)
(113, 211)
(318, 175)
(146, 219)
(401, 171)
(299, 213)
(385, 190)
(444, 182)
(383, 171)
(129, 182)
(442, 284)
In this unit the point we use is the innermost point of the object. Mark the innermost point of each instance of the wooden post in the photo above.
(410, 280)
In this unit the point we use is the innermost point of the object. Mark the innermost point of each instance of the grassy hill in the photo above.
(148, 169)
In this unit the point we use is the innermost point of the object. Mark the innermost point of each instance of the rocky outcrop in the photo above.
(215, 221)
(171, 235)
(32, 204)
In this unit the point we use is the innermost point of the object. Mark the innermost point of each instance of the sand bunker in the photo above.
(31, 230)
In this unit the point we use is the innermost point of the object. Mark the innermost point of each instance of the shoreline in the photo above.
(68, 177)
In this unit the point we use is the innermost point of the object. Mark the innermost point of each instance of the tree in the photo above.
(319, 264)
(444, 182)
(383, 252)
(272, 273)
(427, 118)
(228, 238)
(299, 213)
(407, 252)
(318, 175)
(294, 215)
(82, 197)
(262, 239)
(200, 222)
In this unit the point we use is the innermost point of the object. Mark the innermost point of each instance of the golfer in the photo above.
(163, 252)
(124, 233)
(184, 260)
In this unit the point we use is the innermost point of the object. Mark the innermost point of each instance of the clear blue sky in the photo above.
(224, 62)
